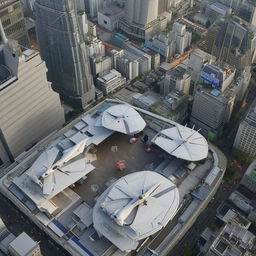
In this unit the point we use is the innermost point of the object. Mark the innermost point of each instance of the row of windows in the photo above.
(16, 27)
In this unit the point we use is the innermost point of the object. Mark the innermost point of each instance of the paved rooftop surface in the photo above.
(115, 148)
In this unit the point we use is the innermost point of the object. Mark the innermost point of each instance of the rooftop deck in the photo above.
(115, 148)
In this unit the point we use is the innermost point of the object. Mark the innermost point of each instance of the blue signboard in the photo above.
(210, 78)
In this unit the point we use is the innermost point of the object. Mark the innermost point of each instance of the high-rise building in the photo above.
(234, 4)
(163, 6)
(231, 43)
(11, 15)
(246, 135)
(181, 36)
(63, 49)
(247, 12)
(214, 100)
(249, 178)
(142, 19)
(141, 12)
(29, 108)
(93, 6)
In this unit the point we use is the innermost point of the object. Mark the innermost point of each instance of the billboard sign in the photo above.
(210, 78)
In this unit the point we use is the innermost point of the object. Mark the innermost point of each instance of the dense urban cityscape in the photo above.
(128, 127)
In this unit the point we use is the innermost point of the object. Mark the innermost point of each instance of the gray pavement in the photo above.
(106, 172)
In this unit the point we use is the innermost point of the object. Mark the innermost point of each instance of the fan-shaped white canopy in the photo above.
(123, 118)
(135, 207)
(182, 142)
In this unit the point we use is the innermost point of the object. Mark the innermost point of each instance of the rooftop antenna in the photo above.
(2, 33)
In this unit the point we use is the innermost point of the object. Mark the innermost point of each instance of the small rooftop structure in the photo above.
(23, 245)
(182, 142)
(123, 118)
(135, 207)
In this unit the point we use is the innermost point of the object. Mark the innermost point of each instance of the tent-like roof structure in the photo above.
(123, 118)
(135, 207)
(56, 169)
(182, 142)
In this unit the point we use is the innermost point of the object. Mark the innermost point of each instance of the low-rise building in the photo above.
(100, 66)
(233, 240)
(167, 45)
(23, 245)
(178, 79)
(110, 82)
(128, 65)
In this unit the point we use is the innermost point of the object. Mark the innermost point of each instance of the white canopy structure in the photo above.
(122, 118)
(56, 170)
(135, 207)
(182, 142)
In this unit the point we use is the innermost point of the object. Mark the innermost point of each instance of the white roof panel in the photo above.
(23, 244)
(182, 142)
(123, 118)
(135, 207)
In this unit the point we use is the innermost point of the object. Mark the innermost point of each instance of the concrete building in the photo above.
(109, 17)
(246, 135)
(181, 36)
(11, 15)
(63, 49)
(178, 79)
(231, 43)
(197, 59)
(214, 99)
(141, 12)
(142, 20)
(134, 52)
(247, 12)
(155, 57)
(167, 45)
(142, 101)
(234, 239)
(249, 178)
(110, 82)
(29, 108)
(163, 6)
(162, 45)
(177, 101)
(6, 237)
(217, 10)
(23, 245)
(93, 6)
(114, 54)
(128, 66)
(95, 48)
(100, 66)
(234, 4)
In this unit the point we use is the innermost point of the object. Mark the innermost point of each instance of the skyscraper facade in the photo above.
(141, 12)
(29, 108)
(230, 42)
(63, 49)
(11, 15)
(246, 135)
